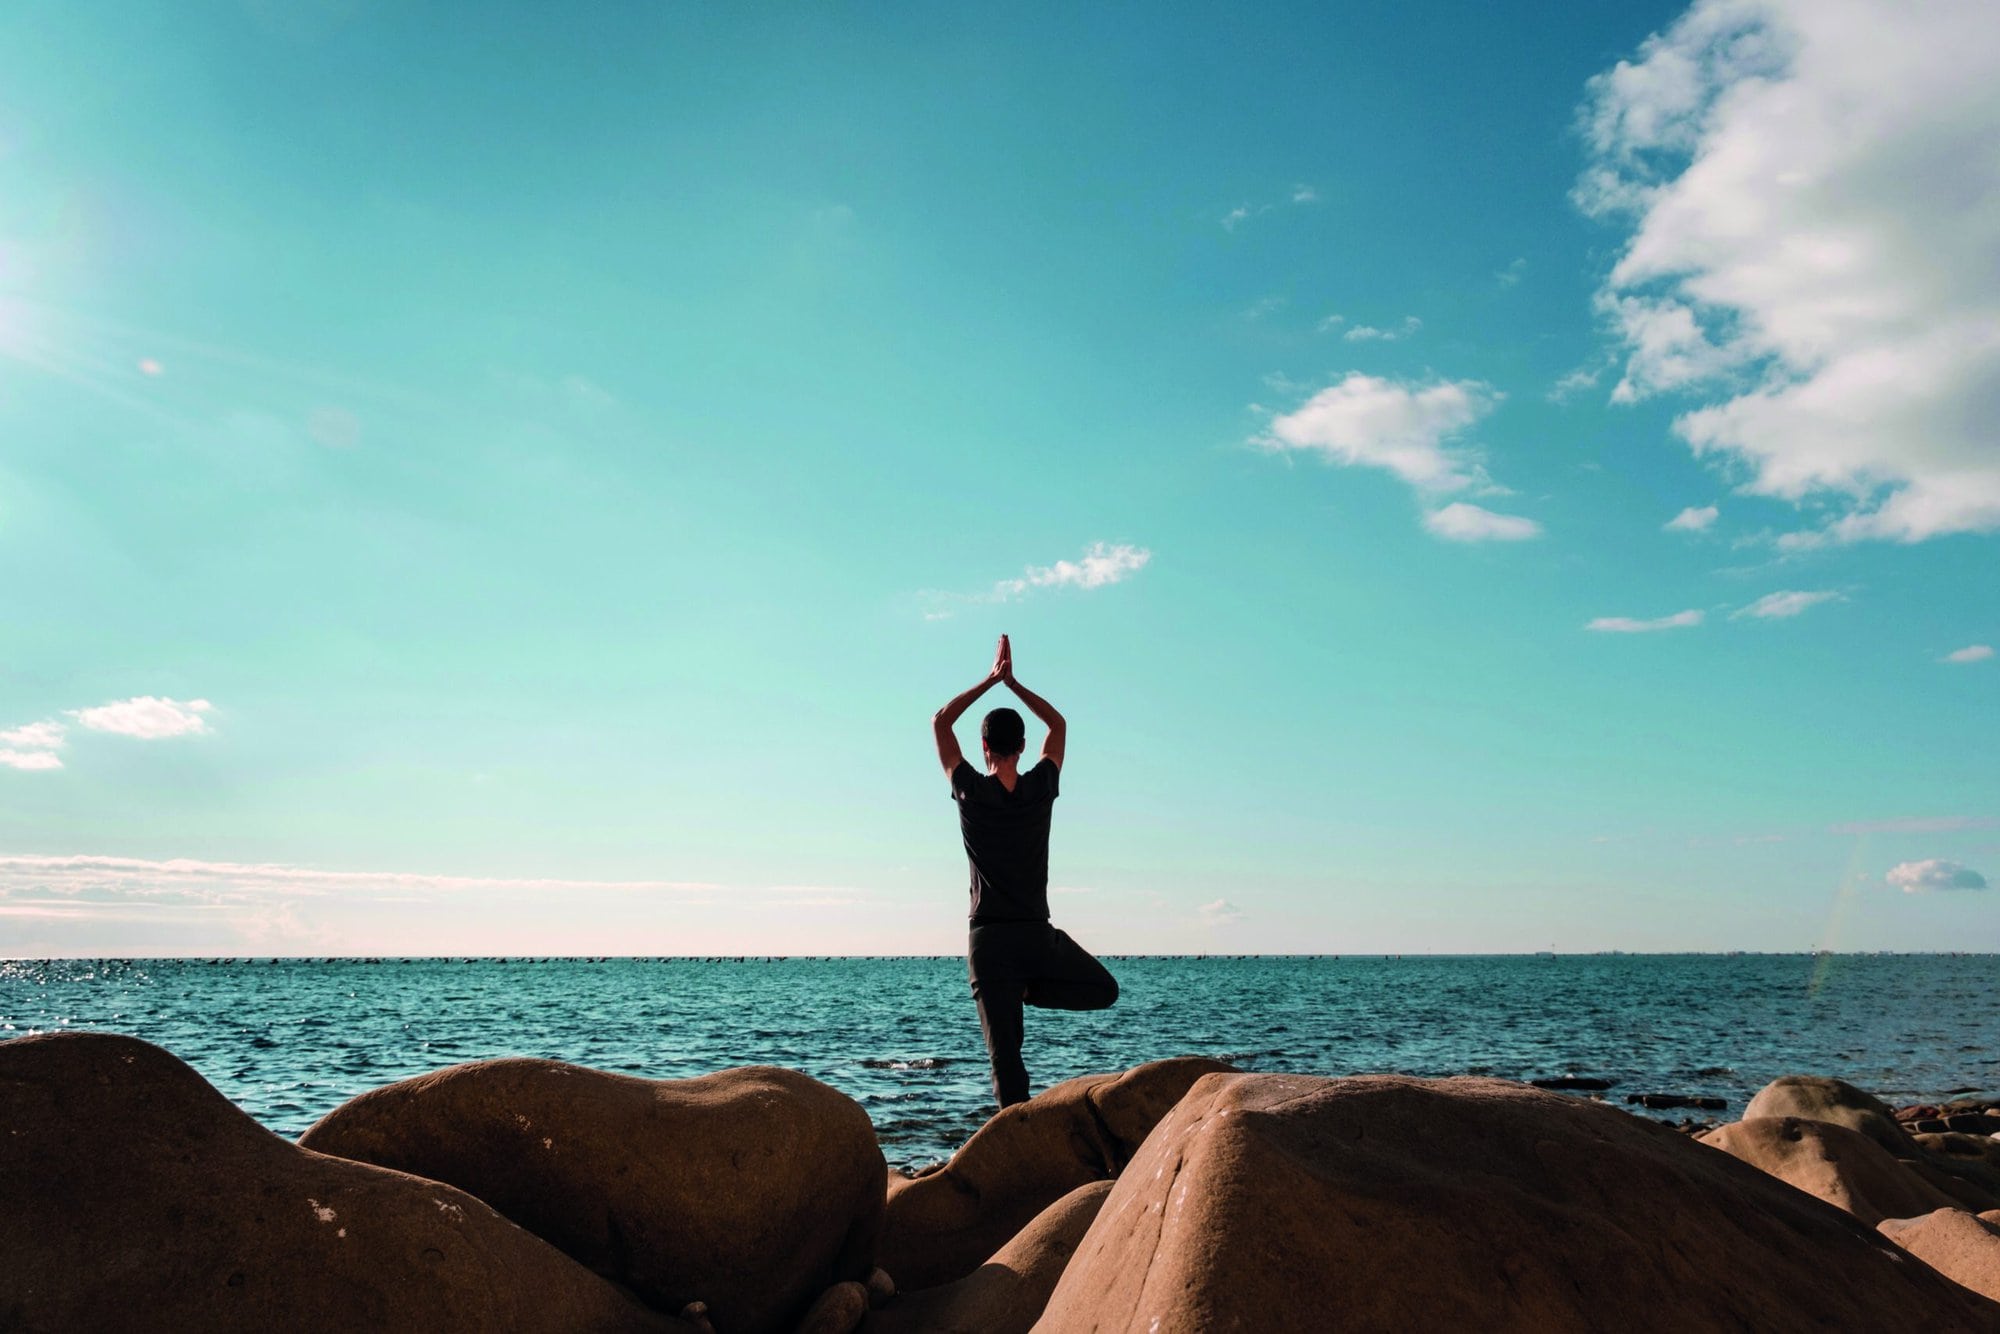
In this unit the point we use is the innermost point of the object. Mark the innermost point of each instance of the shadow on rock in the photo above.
(134, 1195)
(1277, 1202)
(942, 1226)
(753, 1191)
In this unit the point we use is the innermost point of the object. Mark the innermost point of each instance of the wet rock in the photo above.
(1841, 1166)
(1964, 1247)
(1007, 1293)
(1279, 1203)
(137, 1196)
(752, 1190)
(944, 1225)
(1668, 1101)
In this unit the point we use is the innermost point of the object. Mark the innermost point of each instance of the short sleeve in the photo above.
(1050, 773)
(962, 779)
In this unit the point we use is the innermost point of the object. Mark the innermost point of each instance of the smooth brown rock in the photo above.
(1835, 1101)
(751, 1190)
(1278, 1203)
(945, 1224)
(1841, 1166)
(1964, 1247)
(1973, 1159)
(133, 1195)
(838, 1311)
(1007, 1293)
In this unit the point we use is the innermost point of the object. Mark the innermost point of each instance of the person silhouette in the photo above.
(1014, 956)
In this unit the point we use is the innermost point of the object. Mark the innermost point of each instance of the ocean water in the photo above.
(290, 1039)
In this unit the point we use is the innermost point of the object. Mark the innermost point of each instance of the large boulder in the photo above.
(134, 1195)
(751, 1190)
(1973, 1163)
(1278, 1202)
(1841, 1166)
(1007, 1293)
(1964, 1247)
(1836, 1102)
(943, 1225)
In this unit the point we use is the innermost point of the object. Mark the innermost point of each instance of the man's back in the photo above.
(1007, 841)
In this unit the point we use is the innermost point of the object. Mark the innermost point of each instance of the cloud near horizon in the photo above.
(1970, 653)
(1409, 429)
(1692, 519)
(1812, 193)
(1220, 913)
(1626, 625)
(1934, 874)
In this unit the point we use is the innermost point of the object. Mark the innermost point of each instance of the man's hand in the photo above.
(1003, 661)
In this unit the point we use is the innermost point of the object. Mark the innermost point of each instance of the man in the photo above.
(1015, 957)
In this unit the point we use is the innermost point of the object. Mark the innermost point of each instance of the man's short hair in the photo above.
(1004, 733)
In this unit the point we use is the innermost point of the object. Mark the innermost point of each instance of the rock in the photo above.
(1929, 1125)
(1573, 1083)
(944, 1225)
(1007, 1293)
(1964, 1247)
(1817, 1098)
(1668, 1101)
(137, 1196)
(1922, 1111)
(1279, 1203)
(881, 1288)
(1841, 1166)
(1972, 1123)
(839, 1310)
(1973, 1159)
(752, 1190)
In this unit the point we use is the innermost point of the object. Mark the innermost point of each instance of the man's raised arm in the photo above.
(949, 755)
(1052, 748)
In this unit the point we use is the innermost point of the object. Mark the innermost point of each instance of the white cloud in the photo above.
(30, 759)
(1934, 874)
(1932, 824)
(1304, 194)
(1103, 563)
(1235, 216)
(1970, 653)
(1405, 428)
(1330, 323)
(1367, 333)
(1513, 273)
(1409, 429)
(1460, 522)
(1777, 605)
(1626, 625)
(1692, 520)
(211, 880)
(35, 736)
(1220, 913)
(1574, 383)
(146, 717)
(1813, 194)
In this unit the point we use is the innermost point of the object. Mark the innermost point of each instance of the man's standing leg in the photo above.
(998, 980)
(1067, 977)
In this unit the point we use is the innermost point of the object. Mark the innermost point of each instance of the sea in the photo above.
(290, 1039)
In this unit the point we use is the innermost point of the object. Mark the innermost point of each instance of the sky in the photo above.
(1476, 478)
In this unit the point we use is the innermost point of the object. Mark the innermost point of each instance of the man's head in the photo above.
(1003, 734)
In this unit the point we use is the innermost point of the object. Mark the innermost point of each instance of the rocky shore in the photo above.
(1177, 1196)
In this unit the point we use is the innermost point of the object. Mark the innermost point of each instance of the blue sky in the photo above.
(1476, 477)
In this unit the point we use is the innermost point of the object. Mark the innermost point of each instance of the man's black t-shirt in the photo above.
(1007, 841)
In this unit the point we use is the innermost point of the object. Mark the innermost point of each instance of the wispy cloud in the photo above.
(1626, 625)
(1462, 522)
(1811, 226)
(1574, 383)
(1917, 824)
(73, 874)
(1511, 275)
(1934, 874)
(1242, 213)
(1235, 217)
(1776, 606)
(1692, 519)
(1368, 333)
(1304, 194)
(32, 747)
(1970, 653)
(1102, 563)
(147, 717)
(29, 760)
(1220, 913)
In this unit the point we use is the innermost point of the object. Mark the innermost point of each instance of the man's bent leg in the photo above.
(998, 979)
(1069, 978)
